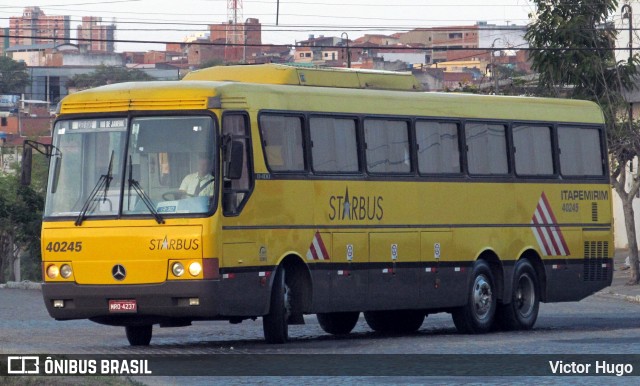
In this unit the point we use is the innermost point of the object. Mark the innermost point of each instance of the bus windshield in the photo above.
(167, 168)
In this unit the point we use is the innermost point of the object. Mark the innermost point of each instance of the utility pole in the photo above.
(348, 52)
(627, 13)
(494, 67)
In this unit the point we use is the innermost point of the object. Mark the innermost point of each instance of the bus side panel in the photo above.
(393, 274)
(349, 276)
(574, 279)
(440, 284)
(568, 284)
(246, 294)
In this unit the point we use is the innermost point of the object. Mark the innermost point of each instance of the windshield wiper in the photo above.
(143, 195)
(103, 183)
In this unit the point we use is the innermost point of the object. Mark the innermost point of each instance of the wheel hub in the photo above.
(482, 297)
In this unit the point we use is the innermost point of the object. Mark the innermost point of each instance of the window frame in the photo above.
(459, 132)
(304, 138)
(359, 144)
(508, 148)
(250, 164)
(130, 116)
(410, 138)
(603, 153)
(364, 174)
(553, 143)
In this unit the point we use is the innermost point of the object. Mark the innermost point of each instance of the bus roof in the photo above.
(185, 95)
(314, 76)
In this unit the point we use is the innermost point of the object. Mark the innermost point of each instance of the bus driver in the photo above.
(199, 183)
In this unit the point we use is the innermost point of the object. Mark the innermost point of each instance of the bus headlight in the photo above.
(65, 271)
(195, 268)
(52, 271)
(177, 269)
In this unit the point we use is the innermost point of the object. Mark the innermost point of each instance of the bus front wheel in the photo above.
(275, 323)
(477, 316)
(139, 335)
(522, 312)
(338, 323)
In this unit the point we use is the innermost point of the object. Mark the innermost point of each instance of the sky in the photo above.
(173, 20)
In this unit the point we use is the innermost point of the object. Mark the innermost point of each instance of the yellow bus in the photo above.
(274, 191)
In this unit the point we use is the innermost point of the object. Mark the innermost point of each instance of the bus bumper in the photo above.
(156, 303)
(574, 280)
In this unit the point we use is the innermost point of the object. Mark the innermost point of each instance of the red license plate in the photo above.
(123, 306)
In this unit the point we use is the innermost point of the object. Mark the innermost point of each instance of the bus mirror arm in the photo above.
(233, 160)
(27, 157)
(25, 169)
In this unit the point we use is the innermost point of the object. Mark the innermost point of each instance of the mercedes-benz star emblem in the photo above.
(118, 272)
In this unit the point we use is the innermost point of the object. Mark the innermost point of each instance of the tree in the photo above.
(574, 55)
(13, 76)
(20, 222)
(107, 75)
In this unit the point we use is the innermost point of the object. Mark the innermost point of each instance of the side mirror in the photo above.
(25, 170)
(234, 160)
(27, 158)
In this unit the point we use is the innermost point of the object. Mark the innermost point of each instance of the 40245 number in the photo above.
(64, 246)
(570, 208)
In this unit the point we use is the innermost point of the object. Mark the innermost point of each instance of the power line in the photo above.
(319, 27)
(352, 47)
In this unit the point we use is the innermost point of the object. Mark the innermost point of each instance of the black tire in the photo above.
(477, 316)
(338, 323)
(400, 321)
(521, 312)
(139, 335)
(275, 323)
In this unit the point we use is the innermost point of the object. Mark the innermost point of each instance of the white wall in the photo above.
(620, 232)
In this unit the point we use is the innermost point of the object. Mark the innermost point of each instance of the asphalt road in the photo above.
(597, 325)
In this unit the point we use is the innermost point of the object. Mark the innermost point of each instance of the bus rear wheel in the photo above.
(338, 323)
(522, 312)
(275, 323)
(477, 316)
(139, 335)
(400, 321)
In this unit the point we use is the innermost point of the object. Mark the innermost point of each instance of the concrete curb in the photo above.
(613, 295)
(24, 285)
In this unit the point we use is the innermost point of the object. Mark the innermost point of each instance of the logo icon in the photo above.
(118, 272)
(25, 365)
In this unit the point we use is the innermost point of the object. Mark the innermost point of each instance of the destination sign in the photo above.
(92, 125)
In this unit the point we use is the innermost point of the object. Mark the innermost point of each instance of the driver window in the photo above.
(236, 192)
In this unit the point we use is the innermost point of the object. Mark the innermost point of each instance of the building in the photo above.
(325, 50)
(474, 42)
(94, 37)
(34, 27)
(33, 55)
(247, 37)
(4, 43)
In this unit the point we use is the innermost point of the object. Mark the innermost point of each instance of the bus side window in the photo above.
(580, 151)
(282, 138)
(235, 192)
(486, 148)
